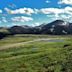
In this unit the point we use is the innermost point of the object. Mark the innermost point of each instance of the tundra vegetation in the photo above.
(38, 56)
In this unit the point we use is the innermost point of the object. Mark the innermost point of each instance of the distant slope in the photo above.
(4, 32)
(57, 27)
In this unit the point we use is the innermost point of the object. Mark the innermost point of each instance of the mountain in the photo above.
(57, 27)
(25, 30)
(4, 32)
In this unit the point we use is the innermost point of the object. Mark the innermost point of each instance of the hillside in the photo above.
(36, 53)
(57, 27)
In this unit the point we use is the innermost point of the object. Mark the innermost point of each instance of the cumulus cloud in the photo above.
(51, 10)
(66, 12)
(37, 24)
(65, 16)
(21, 19)
(36, 11)
(65, 2)
(27, 11)
(0, 21)
(54, 11)
(67, 9)
(0, 11)
(4, 19)
(47, 1)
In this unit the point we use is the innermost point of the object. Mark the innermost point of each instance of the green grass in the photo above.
(24, 37)
(39, 56)
(13, 40)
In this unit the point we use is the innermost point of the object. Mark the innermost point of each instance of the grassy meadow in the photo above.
(38, 56)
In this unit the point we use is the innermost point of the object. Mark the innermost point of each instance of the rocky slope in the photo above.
(57, 27)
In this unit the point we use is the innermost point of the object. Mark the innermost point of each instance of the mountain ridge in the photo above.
(57, 27)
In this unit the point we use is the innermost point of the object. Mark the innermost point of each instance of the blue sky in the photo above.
(34, 12)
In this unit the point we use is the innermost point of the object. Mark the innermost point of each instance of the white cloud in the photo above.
(36, 11)
(52, 13)
(0, 11)
(65, 16)
(7, 9)
(37, 24)
(68, 10)
(4, 19)
(55, 12)
(27, 11)
(0, 21)
(47, 1)
(65, 2)
(52, 10)
(21, 19)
